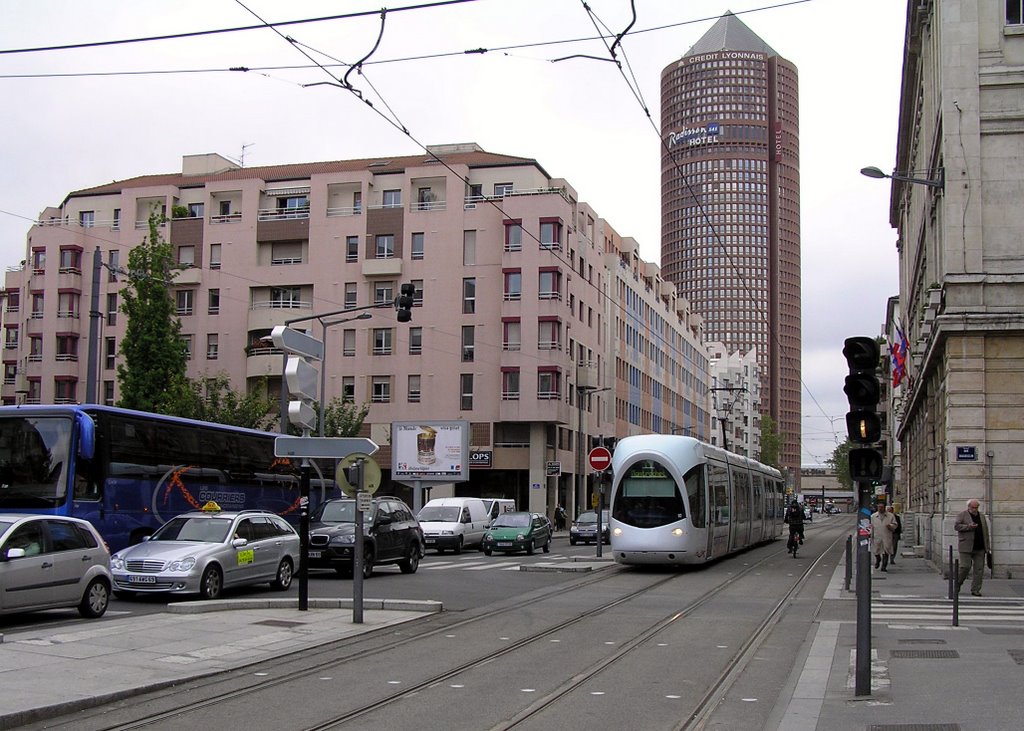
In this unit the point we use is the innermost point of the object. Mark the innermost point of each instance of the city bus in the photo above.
(127, 472)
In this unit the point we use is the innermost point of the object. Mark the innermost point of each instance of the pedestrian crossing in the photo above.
(939, 612)
(479, 562)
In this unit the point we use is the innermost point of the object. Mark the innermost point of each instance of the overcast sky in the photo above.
(579, 118)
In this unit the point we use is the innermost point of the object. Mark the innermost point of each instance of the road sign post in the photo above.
(600, 459)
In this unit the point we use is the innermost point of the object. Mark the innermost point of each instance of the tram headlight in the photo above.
(617, 532)
(677, 532)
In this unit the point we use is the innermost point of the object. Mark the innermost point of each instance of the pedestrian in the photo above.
(795, 520)
(559, 518)
(974, 544)
(896, 534)
(882, 527)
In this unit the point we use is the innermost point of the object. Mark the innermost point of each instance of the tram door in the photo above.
(721, 513)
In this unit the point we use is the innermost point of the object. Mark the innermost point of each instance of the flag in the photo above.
(899, 369)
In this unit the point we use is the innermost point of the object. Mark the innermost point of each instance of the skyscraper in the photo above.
(731, 206)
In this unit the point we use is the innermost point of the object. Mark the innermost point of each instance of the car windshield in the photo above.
(33, 461)
(511, 520)
(341, 511)
(440, 514)
(199, 530)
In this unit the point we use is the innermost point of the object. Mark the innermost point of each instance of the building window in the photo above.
(186, 343)
(35, 348)
(214, 256)
(511, 335)
(548, 384)
(37, 305)
(466, 392)
(385, 246)
(382, 341)
(551, 235)
(351, 294)
(87, 219)
(513, 285)
(113, 257)
(1014, 12)
(468, 295)
(285, 252)
(468, 343)
(71, 261)
(196, 210)
(469, 248)
(348, 389)
(348, 343)
(357, 202)
(392, 199)
(417, 245)
(212, 346)
(293, 206)
(183, 301)
(383, 292)
(112, 309)
(351, 248)
(502, 189)
(380, 389)
(213, 308)
(65, 391)
(417, 292)
(11, 340)
(109, 353)
(38, 261)
(117, 219)
(67, 304)
(13, 300)
(35, 390)
(510, 384)
(67, 347)
(186, 256)
(225, 208)
(549, 284)
(10, 374)
(414, 389)
(285, 298)
(108, 393)
(514, 235)
(415, 340)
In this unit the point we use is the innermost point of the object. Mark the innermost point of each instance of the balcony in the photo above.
(226, 218)
(282, 214)
(428, 206)
(344, 211)
(382, 267)
(263, 361)
(268, 314)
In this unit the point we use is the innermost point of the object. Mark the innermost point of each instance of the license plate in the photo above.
(428, 541)
(314, 554)
(504, 544)
(133, 579)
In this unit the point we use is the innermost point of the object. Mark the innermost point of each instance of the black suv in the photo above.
(391, 534)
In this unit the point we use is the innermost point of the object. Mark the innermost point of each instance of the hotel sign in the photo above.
(694, 136)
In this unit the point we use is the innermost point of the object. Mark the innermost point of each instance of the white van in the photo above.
(453, 522)
(497, 506)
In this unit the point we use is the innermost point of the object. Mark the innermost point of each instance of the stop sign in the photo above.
(599, 458)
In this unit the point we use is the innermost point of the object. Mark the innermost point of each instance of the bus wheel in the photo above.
(211, 583)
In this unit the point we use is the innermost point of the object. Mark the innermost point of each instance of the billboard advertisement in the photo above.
(430, 450)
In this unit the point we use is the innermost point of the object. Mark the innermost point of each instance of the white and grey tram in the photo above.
(677, 500)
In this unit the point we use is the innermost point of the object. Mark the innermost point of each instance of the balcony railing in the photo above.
(254, 350)
(226, 218)
(344, 211)
(72, 357)
(428, 206)
(282, 305)
(282, 214)
(285, 260)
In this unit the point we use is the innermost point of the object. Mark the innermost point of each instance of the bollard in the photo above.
(849, 561)
(952, 585)
(956, 596)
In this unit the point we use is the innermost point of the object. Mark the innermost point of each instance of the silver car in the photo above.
(205, 552)
(51, 561)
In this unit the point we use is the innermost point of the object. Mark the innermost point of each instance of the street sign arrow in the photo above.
(294, 341)
(322, 447)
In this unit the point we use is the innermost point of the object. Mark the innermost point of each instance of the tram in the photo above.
(677, 500)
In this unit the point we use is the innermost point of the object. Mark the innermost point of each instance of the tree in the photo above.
(211, 398)
(341, 418)
(839, 461)
(771, 441)
(154, 356)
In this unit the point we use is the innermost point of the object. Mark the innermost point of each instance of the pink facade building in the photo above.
(525, 301)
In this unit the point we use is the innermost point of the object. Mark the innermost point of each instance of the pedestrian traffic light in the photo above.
(863, 423)
(404, 301)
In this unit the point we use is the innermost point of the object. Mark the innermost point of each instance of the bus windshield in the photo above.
(34, 455)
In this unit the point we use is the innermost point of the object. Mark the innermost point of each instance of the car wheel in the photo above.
(367, 562)
(529, 548)
(285, 572)
(458, 546)
(211, 584)
(95, 600)
(487, 552)
(547, 546)
(412, 561)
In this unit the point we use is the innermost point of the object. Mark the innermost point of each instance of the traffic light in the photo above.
(863, 423)
(404, 302)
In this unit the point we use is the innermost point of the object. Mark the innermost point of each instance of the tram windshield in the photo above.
(34, 461)
(647, 496)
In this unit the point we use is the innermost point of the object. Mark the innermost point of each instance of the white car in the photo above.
(50, 562)
(204, 552)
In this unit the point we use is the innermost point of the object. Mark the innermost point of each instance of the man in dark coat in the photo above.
(974, 544)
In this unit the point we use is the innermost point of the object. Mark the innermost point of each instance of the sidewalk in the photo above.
(925, 673)
(101, 661)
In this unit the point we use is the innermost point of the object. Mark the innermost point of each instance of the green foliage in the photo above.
(153, 354)
(771, 442)
(840, 462)
(211, 398)
(341, 418)
(179, 211)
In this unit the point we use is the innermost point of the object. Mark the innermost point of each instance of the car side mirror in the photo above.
(239, 542)
(15, 553)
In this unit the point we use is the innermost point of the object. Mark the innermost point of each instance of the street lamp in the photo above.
(581, 391)
(726, 408)
(873, 172)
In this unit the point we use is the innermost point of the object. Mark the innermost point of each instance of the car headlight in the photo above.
(343, 540)
(447, 533)
(116, 563)
(182, 564)
(521, 536)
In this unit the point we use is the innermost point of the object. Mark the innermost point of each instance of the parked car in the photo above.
(584, 528)
(204, 552)
(391, 534)
(50, 562)
(518, 531)
(454, 522)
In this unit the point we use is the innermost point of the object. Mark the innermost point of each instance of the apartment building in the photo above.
(512, 322)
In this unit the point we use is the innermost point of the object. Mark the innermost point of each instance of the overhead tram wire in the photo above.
(397, 124)
(700, 206)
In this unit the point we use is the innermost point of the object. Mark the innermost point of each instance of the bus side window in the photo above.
(86, 487)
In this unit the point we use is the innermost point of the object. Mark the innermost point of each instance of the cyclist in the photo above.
(795, 519)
